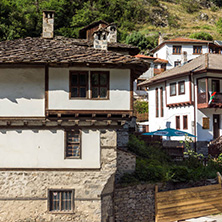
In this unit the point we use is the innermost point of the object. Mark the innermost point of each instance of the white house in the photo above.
(61, 105)
(181, 97)
(181, 50)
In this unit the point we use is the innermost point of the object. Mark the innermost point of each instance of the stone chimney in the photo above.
(160, 39)
(48, 24)
(100, 38)
(183, 57)
(112, 36)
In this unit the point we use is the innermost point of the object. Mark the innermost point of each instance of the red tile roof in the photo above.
(144, 56)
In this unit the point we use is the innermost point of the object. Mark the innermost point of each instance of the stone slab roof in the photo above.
(203, 62)
(62, 50)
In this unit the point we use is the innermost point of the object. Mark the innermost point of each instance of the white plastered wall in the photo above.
(59, 91)
(166, 52)
(178, 98)
(170, 114)
(45, 149)
(22, 92)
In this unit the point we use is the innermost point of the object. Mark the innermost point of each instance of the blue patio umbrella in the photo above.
(169, 132)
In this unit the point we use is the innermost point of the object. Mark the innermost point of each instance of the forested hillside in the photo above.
(142, 18)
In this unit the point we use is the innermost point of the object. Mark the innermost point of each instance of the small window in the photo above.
(185, 122)
(177, 63)
(177, 49)
(177, 122)
(172, 89)
(73, 144)
(197, 49)
(78, 84)
(157, 103)
(61, 201)
(181, 87)
(99, 84)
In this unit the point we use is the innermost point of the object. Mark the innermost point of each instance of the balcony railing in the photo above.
(204, 98)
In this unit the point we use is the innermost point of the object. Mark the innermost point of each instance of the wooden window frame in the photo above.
(179, 89)
(185, 122)
(161, 102)
(177, 122)
(195, 50)
(78, 86)
(173, 84)
(175, 49)
(67, 143)
(107, 85)
(157, 102)
(60, 211)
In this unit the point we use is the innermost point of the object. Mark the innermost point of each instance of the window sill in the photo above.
(197, 53)
(176, 54)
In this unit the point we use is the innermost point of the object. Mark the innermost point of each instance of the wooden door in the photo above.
(216, 126)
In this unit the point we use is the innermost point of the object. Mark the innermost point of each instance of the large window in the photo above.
(161, 102)
(61, 201)
(157, 103)
(197, 49)
(99, 85)
(181, 87)
(78, 84)
(185, 122)
(73, 144)
(172, 89)
(177, 122)
(177, 49)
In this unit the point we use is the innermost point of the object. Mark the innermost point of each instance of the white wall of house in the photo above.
(59, 91)
(45, 149)
(166, 52)
(22, 92)
(178, 98)
(170, 114)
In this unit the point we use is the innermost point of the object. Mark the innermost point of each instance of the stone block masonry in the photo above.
(135, 203)
(24, 193)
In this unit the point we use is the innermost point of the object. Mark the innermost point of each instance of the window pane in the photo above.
(95, 79)
(55, 200)
(172, 89)
(74, 92)
(82, 92)
(74, 80)
(95, 93)
(182, 88)
(103, 79)
(103, 92)
(82, 80)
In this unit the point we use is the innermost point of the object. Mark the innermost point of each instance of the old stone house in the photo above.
(62, 103)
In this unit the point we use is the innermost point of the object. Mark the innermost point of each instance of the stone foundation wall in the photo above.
(126, 163)
(135, 203)
(24, 193)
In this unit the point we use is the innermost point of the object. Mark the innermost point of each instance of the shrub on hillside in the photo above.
(202, 36)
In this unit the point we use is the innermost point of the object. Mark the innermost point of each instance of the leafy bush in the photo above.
(201, 35)
(190, 6)
(137, 39)
(154, 165)
(141, 106)
(219, 25)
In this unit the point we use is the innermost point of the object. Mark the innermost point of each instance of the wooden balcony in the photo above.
(203, 100)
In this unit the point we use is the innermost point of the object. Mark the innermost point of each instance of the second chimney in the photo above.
(48, 24)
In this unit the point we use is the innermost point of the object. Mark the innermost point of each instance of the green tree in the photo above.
(201, 35)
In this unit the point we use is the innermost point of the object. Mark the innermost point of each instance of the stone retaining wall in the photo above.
(135, 203)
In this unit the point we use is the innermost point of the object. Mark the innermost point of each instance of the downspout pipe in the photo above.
(194, 108)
